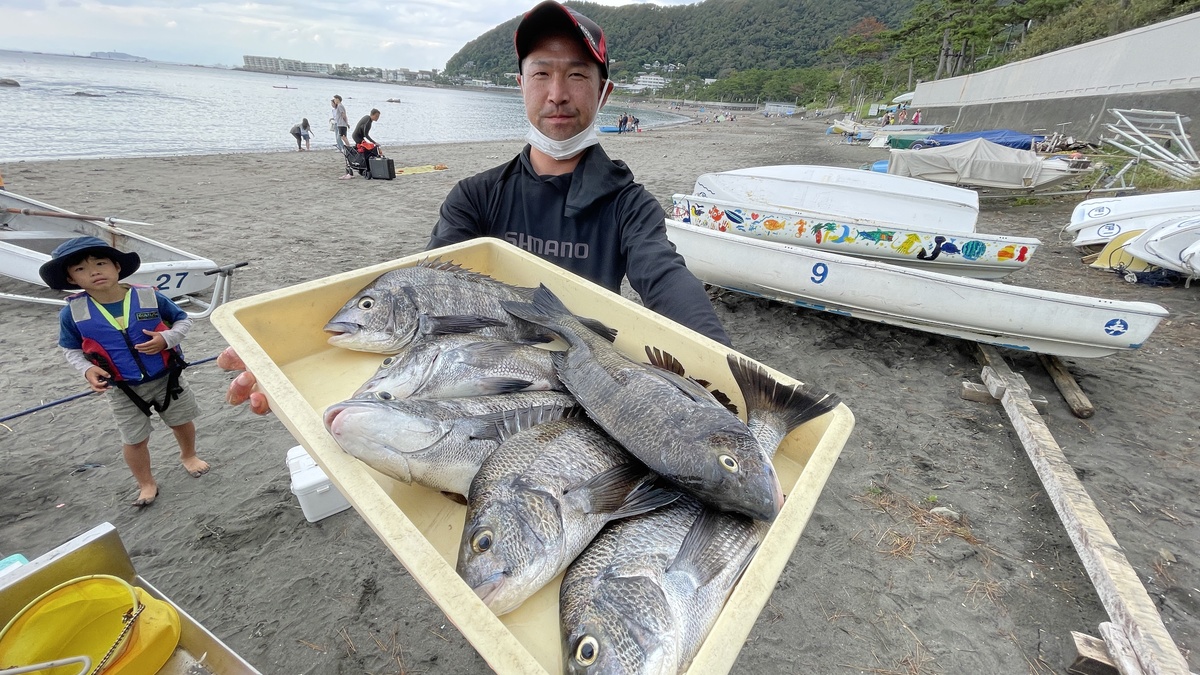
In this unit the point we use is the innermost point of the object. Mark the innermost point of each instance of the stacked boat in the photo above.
(1141, 232)
(891, 249)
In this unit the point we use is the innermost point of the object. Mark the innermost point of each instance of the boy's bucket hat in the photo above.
(54, 270)
(550, 14)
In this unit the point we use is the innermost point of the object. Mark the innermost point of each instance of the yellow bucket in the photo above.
(122, 629)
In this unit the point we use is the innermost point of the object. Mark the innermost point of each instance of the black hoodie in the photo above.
(595, 222)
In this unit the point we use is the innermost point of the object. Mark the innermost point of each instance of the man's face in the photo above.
(561, 86)
(375, 117)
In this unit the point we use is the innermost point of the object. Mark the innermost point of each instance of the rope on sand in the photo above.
(72, 398)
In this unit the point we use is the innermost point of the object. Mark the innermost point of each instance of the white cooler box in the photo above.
(318, 497)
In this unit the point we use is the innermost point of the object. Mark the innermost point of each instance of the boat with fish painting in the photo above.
(846, 193)
(1020, 318)
(968, 254)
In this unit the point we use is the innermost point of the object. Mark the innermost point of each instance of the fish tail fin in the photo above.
(779, 406)
(545, 309)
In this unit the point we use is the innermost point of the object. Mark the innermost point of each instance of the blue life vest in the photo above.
(112, 348)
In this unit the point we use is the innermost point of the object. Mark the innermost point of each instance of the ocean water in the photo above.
(70, 108)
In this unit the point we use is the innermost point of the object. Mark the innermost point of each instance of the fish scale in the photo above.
(436, 443)
(540, 498)
(679, 431)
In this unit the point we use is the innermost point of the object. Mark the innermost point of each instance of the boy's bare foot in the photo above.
(146, 497)
(195, 466)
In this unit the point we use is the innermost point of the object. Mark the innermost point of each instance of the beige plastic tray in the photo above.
(279, 335)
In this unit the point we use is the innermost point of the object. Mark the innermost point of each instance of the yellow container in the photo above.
(279, 335)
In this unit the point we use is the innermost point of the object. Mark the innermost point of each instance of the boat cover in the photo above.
(1005, 137)
(977, 162)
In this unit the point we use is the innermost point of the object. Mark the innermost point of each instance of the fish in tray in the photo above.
(436, 443)
(643, 596)
(430, 298)
(455, 366)
(669, 421)
(538, 500)
(645, 593)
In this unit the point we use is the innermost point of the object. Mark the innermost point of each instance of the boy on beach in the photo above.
(126, 336)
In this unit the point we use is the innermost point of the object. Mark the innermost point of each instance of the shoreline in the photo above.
(870, 586)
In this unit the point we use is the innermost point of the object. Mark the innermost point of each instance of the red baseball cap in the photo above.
(550, 15)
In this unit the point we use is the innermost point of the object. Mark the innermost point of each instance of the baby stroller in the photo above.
(355, 161)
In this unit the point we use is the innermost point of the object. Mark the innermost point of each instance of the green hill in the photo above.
(711, 39)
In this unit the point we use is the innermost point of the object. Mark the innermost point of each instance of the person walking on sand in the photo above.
(561, 198)
(128, 337)
(302, 130)
(341, 124)
(917, 116)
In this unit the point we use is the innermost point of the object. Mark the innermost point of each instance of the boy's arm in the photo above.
(77, 359)
(175, 334)
(174, 317)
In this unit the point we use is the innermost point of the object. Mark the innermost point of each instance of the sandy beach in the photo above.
(871, 587)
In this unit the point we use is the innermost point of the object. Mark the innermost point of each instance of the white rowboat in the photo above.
(27, 240)
(847, 194)
(982, 256)
(971, 309)
(1096, 221)
(1167, 243)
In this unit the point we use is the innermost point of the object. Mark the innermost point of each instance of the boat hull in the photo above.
(1165, 244)
(26, 242)
(1095, 222)
(848, 194)
(981, 256)
(999, 314)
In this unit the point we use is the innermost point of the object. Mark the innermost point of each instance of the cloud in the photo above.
(415, 34)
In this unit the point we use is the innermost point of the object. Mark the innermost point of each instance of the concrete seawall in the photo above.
(1150, 68)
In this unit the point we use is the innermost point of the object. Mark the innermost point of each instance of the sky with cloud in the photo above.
(414, 34)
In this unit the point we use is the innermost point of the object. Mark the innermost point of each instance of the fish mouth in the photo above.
(331, 415)
(490, 588)
(341, 328)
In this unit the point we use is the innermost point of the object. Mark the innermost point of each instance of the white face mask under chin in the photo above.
(561, 150)
(574, 145)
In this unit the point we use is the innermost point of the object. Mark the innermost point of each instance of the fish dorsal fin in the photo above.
(458, 270)
(705, 549)
(776, 403)
(512, 422)
(673, 371)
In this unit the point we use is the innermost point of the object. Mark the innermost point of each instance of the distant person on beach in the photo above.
(341, 124)
(126, 337)
(562, 198)
(363, 143)
(917, 117)
(302, 130)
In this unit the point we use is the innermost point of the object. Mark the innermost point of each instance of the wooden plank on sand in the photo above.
(1091, 656)
(1120, 590)
(1067, 386)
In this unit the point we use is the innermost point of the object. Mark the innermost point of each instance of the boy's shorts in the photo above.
(133, 426)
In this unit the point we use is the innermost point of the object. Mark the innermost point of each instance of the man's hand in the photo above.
(154, 345)
(245, 386)
(97, 378)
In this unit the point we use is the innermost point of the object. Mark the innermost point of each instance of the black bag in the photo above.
(381, 168)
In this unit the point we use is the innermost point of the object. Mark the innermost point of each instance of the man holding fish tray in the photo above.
(562, 198)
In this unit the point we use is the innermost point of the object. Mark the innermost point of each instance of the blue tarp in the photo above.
(1005, 137)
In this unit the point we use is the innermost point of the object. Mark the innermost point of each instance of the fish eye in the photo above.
(389, 361)
(366, 302)
(481, 541)
(586, 650)
(729, 463)
(384, 395)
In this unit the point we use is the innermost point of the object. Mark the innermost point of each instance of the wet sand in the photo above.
(872, 587)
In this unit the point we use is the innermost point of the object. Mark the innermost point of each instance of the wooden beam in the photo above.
(1067, 386)
(979, 393)
(1090, 657)
(1120, 650)
(1120, 590)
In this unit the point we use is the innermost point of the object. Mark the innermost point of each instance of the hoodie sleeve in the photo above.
(459, 219)
(657, 273)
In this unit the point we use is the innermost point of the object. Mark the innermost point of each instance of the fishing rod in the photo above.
(74, 216)
(76, 396)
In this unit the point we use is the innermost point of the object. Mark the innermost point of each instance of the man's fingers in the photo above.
(229, 360)
(259, 404)
(241, 388)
